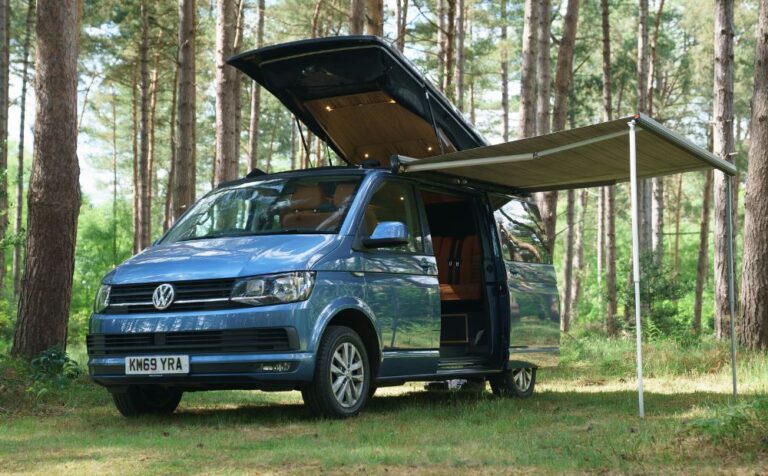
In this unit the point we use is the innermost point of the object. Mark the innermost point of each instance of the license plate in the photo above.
(157, 365)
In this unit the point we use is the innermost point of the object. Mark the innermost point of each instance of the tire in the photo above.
(342, 362)
(517, 382)
(146, 400)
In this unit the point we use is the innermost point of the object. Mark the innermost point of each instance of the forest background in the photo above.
(161, 121)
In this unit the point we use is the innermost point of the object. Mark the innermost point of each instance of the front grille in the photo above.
(195, 342)
(188, 296)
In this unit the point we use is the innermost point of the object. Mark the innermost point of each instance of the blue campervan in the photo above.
(336, 280)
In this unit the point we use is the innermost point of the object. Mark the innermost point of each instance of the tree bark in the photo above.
(356, 17)
(578, 253)
(168, 216)
(645, 188)
(657, 183)
(54, 192)
(239, 82)
(754, 329)
(565, 320)
(450, 47)
(528, 71)
(402, 23)
(185, 173)
(135, 149)
(543, 118)
(702, 265)
(608, 193)
(253, 126)
(143, 205)
(723, 147)
(504, 72)
(563, 76)
(374, 17)
(461, 63)
(5, 34)
(17, 248)
(441, 42)
(225, 167)
(678, 207)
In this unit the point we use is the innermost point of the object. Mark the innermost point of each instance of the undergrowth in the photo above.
(741, 426)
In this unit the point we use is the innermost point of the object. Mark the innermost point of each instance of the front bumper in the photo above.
(213, 371)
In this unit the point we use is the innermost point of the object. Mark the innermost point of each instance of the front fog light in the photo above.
(275, 288)
(102, 298)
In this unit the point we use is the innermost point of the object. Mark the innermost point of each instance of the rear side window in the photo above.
(521, 230)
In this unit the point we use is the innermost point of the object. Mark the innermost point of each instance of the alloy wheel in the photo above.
(347, 374)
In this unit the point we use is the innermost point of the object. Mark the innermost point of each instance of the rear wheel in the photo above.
(518, 382)
(147, 399)
(342, 380)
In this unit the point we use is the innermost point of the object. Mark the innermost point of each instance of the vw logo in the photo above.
(163, 296)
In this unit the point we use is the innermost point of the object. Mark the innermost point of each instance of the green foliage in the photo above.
(740, 427)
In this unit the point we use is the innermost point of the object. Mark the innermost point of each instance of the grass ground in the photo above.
(582, 419)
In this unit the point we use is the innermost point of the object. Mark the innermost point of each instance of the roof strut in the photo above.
(434, 123)
(303, 140)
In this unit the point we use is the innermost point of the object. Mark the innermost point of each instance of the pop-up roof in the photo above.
(361, 96)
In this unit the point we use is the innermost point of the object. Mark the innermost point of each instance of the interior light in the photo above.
(328, 108)
(367, 155)
(429, 148)
(391, 101)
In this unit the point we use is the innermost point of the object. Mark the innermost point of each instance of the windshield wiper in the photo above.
(285, 231)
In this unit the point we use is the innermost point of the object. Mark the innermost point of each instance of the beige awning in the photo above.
(584, 157)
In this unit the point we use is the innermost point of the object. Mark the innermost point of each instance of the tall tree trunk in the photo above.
(168, 216)
(645, 187)
(356, 17)
(186, 161)
(504, 73)
(114, 177)
(402, 23)
(253, 133)
(54, 191)
(135, 149)
(754, 329)
(578, 253)
(657, 183)
(240, 81)
(563, 78)
(543, 118)
(723, 147)
(678, 207)
(702, 265)
(450, 47)
(441, 42)
(17, 248)
(225, 167)
(5, 34)
(528, 71)
(461, 63)
(143, 180)
(374, 17)
(151, 156)
(609, 192)
(565, 320)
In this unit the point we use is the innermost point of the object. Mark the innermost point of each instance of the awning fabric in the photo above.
(588, 156)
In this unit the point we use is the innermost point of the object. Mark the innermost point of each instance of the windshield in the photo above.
(270, 207)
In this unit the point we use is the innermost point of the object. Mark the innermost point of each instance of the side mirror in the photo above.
(387, 234)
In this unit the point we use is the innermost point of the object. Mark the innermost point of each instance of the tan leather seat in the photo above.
(308, 209)
(459, 267)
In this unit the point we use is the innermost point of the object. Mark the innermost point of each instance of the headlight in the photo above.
(274, 289)
(102, 298)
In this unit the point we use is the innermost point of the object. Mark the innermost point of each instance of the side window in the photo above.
(521, 230)
(394, 201)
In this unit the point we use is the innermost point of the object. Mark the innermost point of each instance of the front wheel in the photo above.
(342, 378)
(518, 382)
(147, 399)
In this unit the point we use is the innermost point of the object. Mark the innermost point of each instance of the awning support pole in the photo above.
(636, 262)
(730, 266)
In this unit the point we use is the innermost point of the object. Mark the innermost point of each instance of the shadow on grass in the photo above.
(457, 404)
